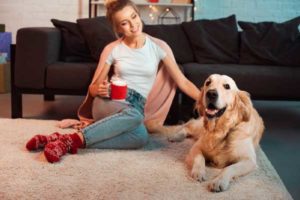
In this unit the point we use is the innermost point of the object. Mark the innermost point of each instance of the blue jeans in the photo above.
(123, 130)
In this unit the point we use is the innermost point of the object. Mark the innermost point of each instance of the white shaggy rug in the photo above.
(155, 172)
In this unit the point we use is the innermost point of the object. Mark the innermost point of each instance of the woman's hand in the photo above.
(101, 89)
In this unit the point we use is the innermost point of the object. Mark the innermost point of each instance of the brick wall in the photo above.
(248, 10)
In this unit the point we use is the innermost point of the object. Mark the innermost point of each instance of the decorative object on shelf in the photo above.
(153, 12)
(168, 16)
(5, 42)
(3, 58)
(2, 28)
(195, 2)
(185, 10)
(165, 1)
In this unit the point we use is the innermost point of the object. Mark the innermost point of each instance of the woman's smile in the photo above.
(128, 22)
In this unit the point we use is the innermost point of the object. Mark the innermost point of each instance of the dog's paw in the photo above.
(177, 137)
(219, 184)
(199, 175)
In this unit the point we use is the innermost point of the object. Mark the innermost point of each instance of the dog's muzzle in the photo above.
(211, 110)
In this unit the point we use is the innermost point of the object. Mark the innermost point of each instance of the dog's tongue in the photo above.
(211, 111)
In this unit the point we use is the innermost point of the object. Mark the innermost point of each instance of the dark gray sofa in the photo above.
(201, 48)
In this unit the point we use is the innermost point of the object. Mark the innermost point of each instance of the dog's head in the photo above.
(220, 94)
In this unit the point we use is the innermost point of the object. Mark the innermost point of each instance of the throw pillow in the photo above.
(97, 33)
(175, 37)
(270, 43)
(214, 41)
(73, 46)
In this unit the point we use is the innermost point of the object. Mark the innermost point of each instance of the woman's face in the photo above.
(128, 22)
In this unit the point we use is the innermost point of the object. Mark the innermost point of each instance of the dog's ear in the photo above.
(244, 105)
(199, 107)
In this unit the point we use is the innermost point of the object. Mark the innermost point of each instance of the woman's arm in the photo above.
(182, 82)
(101, 85)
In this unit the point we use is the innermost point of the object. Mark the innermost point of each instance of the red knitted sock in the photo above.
(39, 141)
(66, 143)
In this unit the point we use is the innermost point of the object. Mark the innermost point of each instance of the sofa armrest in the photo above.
(36, 48)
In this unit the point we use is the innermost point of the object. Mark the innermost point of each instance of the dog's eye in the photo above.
(207, 83)
(226, 86)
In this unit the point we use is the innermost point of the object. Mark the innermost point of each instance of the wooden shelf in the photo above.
(94, 4)
(149, 4)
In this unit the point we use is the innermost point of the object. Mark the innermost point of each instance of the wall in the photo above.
(249, 10)
(16, 14)
(24, 13)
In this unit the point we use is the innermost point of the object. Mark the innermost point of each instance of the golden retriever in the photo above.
(228, 131)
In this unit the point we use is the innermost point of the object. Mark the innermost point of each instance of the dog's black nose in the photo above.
(212, 95)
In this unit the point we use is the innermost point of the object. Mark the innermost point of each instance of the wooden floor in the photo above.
(280, 142)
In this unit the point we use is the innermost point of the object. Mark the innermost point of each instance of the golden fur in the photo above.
(227, 132)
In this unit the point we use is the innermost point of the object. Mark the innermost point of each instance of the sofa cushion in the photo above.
(73, 46)
(97, 33)
(214, 41)
(175, 37)
(72, 76)
(270, 43)
(261, 81)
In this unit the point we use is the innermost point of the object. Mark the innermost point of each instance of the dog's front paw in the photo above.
(219, 184)
(199, 175)
(177, 137)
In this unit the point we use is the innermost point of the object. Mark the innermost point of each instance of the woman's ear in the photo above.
(244, 105)
(199, 103)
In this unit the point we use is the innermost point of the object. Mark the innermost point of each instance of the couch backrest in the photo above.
(215, 41)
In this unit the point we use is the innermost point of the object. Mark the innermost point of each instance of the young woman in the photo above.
(148, 66)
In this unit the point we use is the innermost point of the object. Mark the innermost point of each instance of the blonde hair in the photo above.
(113, 6)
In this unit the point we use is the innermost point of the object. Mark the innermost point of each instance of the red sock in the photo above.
(66, 143)
(39, 141)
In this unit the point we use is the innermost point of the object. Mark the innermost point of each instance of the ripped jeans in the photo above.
(122, 130)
